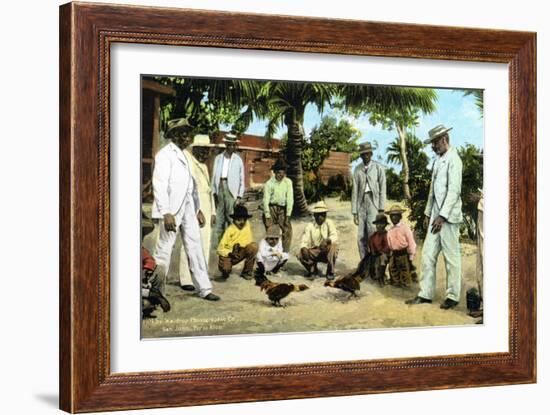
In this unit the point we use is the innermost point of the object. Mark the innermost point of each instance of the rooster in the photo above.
(277, 291)
(348, 283)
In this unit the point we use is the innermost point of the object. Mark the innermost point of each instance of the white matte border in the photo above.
(130, 354)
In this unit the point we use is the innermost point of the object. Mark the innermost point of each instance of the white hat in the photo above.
(201, 140)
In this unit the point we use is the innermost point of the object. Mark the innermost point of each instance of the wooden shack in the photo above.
(151, 92)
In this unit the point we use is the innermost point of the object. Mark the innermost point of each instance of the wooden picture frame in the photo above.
(86, 33)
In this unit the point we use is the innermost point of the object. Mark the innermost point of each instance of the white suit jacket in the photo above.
(446, 187)
(235, 175)
(171, 181)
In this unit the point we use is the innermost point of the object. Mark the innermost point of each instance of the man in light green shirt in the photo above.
(278, 202)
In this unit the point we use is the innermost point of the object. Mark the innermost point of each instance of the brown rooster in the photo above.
(277, 291)
(348, 283)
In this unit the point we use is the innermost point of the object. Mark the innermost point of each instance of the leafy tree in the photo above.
(478, 94)
(330, 135)
(419, 177)
(472, 182)
(392, 108)
(394, 187)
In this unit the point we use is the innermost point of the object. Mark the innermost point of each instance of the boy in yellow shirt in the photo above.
(237, 245)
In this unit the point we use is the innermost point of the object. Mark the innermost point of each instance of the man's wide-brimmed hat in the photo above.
(201, 140)
(395, 209)
(240, 211)
(177, 124)
(437, 132)
(320, 207)
(380, 218)
(279, 165)
(231, 138)
(365, 148)
(273, 232)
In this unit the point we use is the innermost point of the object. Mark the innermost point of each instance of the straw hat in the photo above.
(395, 209)
(177, 124)
(437, 132)
(201, 140)
(365, 148)
(231, 138)
(320, 207)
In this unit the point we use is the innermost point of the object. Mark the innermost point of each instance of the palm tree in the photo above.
(478, 95)
(394, 108)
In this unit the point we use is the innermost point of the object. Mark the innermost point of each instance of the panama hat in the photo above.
(320, 207)
(380, 218)
(437, 132)
(365, 148)
(231, 138)
(201, 140)
(395, 209)
(240, 211)
(273, 232)
(177, 124)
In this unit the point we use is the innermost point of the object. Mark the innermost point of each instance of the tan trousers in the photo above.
(247, 254)
(309, 257)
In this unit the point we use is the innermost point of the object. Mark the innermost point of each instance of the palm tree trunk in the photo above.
(294, 164)
(404, 162)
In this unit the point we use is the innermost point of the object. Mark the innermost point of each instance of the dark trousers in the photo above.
(259, 273)
(247, 254)
(279, 217)
(327, 253)
(402, 271)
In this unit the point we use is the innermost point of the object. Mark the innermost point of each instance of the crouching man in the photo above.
(319, 243)
(237, 245)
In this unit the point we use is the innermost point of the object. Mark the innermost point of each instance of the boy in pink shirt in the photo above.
(403, 247)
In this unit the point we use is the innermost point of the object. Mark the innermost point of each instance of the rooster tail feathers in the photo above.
(302, 287)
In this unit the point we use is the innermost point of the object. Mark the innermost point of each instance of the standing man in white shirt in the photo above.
(177, 206)
(227, 184)
(368, 196)
(199, 154)
(443, 216)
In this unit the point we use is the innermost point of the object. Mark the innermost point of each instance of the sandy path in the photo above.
(244, 309)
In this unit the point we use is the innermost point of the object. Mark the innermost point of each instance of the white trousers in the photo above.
(447, 242)
(206, 234)
(191, 239)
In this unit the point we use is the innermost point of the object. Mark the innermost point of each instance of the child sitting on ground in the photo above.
(237, 245)
(271, 257)
(403, 247)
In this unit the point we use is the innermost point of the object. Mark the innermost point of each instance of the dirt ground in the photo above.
(243, 309)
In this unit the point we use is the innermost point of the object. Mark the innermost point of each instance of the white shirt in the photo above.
(225, 166)
(266, 254)
(367, 187)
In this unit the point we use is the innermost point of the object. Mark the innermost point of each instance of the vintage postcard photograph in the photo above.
(274, 206)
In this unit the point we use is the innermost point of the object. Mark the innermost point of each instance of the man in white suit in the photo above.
(368, 196)
(176, 204)
(443, 215)
(227, 184)
(200, 152)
